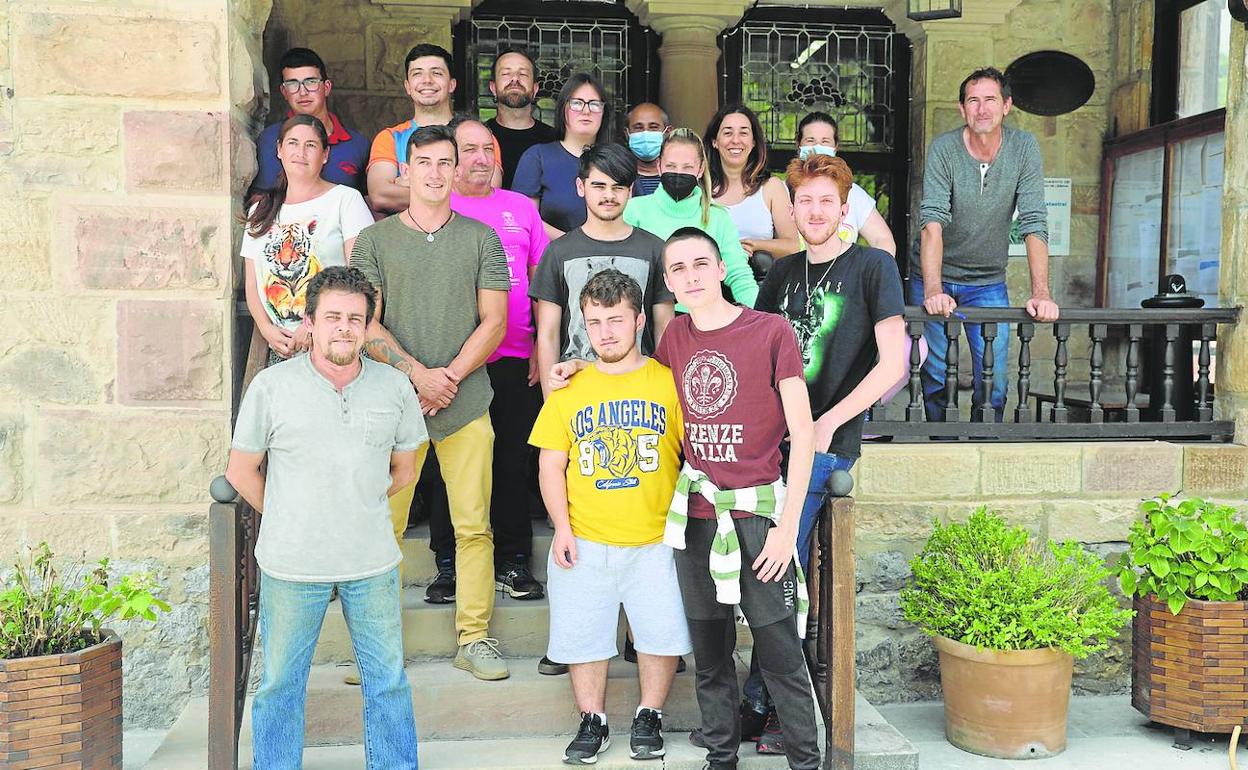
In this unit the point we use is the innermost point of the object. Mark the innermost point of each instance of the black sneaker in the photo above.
(645, 740)
(592, 738)
(630, 655)
(514, 578)
(442, 589)
(551, 668)
(752, 723)
(772, 739)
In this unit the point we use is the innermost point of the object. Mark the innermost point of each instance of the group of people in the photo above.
(496, 289)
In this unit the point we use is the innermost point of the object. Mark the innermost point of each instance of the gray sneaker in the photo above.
(482, 659)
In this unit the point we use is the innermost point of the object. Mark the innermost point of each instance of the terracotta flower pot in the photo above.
(1010, 704)
(63, 711)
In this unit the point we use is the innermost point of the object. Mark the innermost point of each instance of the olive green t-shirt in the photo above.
(429, 293)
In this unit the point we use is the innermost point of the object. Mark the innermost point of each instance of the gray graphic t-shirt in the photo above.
(571, 260)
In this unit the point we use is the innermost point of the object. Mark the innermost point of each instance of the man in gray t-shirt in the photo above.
(443, 281)
(606, 176)
(340, 434)
(974, 179)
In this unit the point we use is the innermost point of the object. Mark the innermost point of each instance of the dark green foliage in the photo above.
(1196, 549)
(987, 584)
(46, 612)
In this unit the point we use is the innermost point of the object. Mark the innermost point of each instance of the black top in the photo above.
(834, 316)
(512, 143)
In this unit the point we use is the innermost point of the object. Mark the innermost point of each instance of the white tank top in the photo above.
(753, 218)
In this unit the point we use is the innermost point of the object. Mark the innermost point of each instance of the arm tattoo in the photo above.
(379, 349)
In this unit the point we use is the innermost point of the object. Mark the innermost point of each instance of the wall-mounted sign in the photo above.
(1057, 203)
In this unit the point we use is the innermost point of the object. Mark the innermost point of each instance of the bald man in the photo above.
(644, 130)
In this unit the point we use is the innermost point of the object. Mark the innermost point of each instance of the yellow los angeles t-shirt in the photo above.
(622, 433)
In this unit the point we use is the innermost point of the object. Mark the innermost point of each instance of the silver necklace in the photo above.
(810, 296)
(428, 233)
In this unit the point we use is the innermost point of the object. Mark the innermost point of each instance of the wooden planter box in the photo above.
(62, 711)
(1190, 670)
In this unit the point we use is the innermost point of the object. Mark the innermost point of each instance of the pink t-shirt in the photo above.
(514, 217)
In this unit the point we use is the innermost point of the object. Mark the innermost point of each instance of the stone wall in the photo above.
(1089, 492)
(115, 139)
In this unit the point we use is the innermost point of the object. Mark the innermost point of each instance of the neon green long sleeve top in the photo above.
(657, 213)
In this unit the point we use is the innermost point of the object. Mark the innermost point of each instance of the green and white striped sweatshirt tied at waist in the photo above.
(766, 500)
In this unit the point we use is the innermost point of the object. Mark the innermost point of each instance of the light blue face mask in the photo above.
(646, 144)
(818, 149)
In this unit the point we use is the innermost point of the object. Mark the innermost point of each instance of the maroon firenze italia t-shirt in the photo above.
(727, 382)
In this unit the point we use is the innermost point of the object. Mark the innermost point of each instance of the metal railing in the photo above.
(1177, 407)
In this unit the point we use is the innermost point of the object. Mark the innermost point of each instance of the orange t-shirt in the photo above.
(388, 140)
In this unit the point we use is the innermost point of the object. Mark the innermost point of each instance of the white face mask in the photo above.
(817, 149)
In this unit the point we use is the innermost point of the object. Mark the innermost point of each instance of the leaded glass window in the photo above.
(561, 48)
(845, 70)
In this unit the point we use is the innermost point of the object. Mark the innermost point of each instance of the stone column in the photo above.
(1232, 381)
(688, 78)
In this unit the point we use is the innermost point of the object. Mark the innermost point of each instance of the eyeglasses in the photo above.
(579, 105)
(311, 84)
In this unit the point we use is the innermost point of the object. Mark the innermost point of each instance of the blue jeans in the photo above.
(933, 374)
(290, 622)
(754, 691)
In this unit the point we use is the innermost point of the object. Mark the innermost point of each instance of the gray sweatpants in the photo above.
(769, 608)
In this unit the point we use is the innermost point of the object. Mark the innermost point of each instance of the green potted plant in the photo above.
(1187, 567)
(60, 668)
(1008, 615)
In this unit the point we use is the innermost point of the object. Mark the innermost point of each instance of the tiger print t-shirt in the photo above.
(306, 238)
(622, 433)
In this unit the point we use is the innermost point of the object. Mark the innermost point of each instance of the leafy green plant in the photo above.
(1194, 549)
(988, 584)
(46, 611)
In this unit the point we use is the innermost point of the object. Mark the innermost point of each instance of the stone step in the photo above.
(451, 704)
(419, 567)
(429, 629)
(878, 746)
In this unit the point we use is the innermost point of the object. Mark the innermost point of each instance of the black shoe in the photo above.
(752, 722)
(550, 668)
(514, 578)
(772, 739)
(630, 655)
(718, 766)
(442, 589)
(592, 738)
(645, 740)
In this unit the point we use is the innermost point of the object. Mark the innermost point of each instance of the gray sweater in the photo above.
(976, 212)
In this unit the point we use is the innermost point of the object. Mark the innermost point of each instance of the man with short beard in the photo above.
(513, 82)
(610, 454)
(844, 302)
(340, 434)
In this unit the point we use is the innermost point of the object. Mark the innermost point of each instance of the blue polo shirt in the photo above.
(348, 157)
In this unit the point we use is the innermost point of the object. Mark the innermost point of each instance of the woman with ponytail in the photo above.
(292, 232)
(684, 200)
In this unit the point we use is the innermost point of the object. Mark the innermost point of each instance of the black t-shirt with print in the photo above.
(833, 308)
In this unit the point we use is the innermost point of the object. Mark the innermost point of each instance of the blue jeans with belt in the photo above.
(754, 691)
(933, 374)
